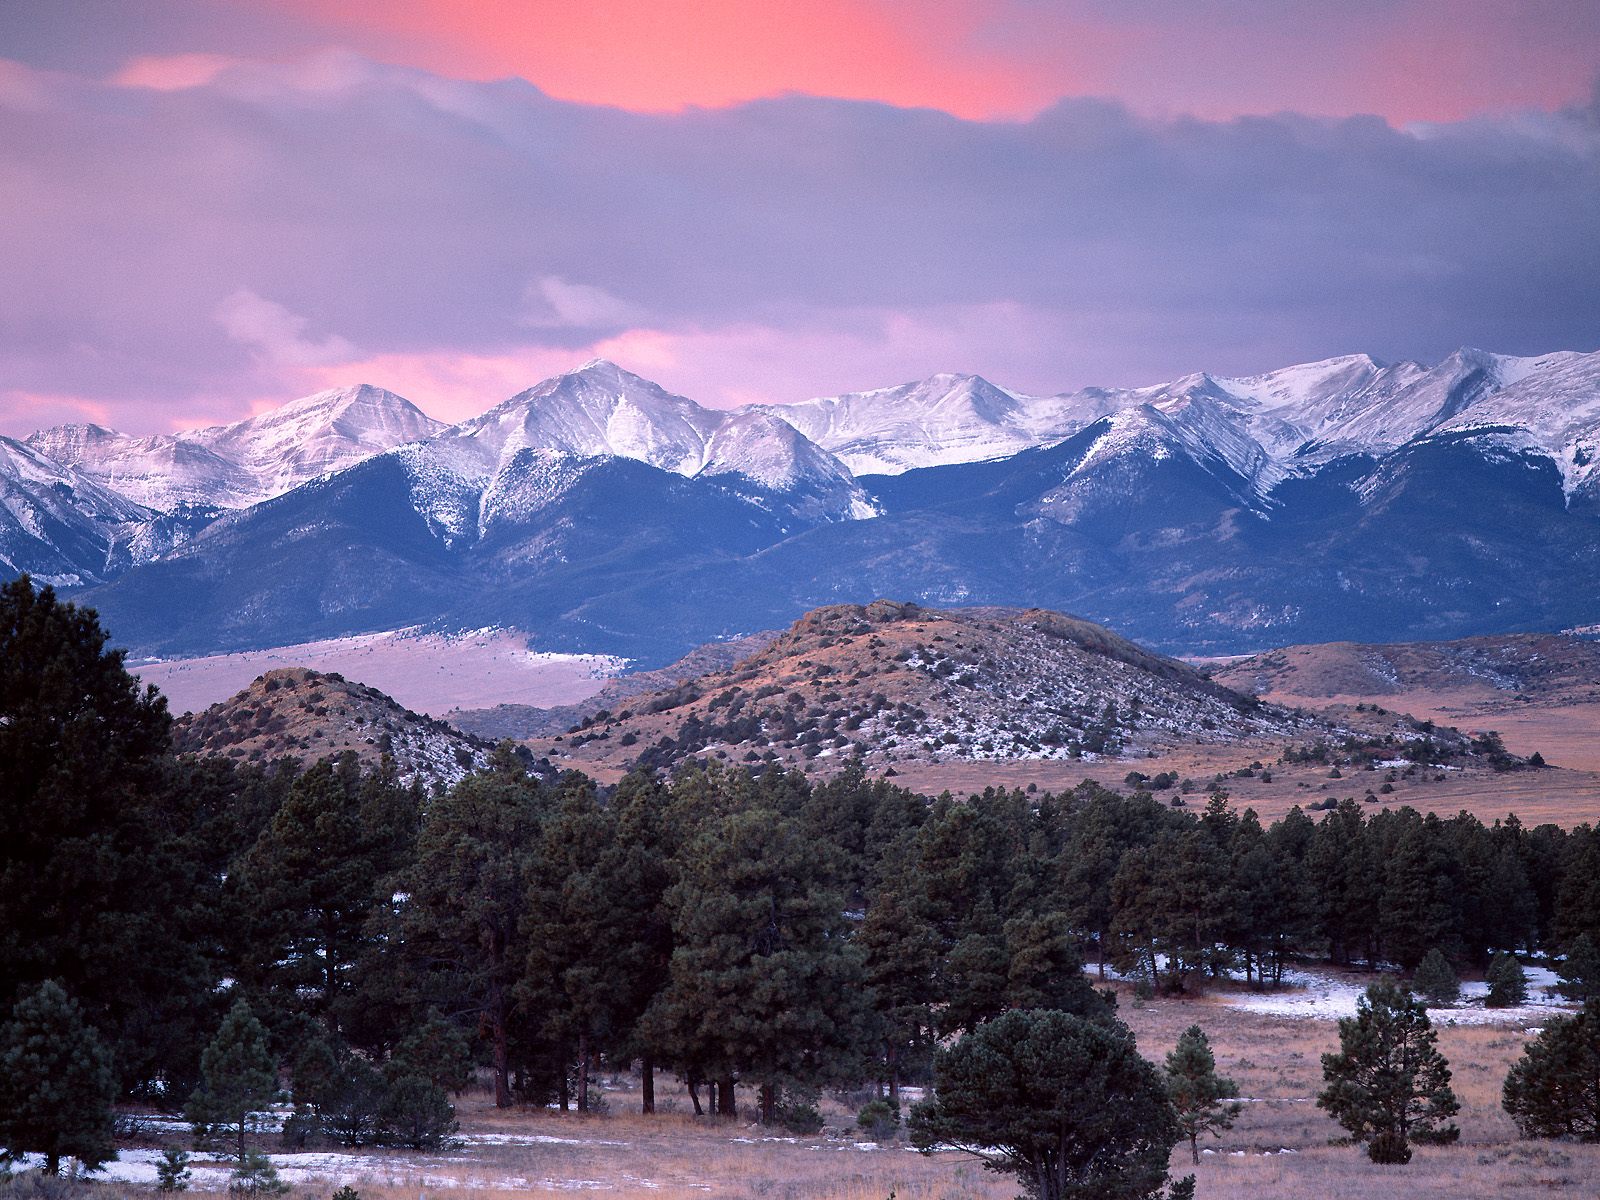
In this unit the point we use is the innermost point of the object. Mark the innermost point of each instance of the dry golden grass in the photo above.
(1276, 1062)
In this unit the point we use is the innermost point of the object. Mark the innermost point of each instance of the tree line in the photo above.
(766, 932)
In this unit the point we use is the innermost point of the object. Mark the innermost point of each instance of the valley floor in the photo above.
(1270, 1044)
(429, 673)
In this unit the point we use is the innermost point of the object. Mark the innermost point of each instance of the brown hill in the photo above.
(519, 721)
(898, 683)
(299, 713)
(1518, 668)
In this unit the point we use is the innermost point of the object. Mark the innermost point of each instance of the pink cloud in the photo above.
(172, 72)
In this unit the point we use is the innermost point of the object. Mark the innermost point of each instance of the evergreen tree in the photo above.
(1346, 877)
(1508, 984)
(436, 1051)
(463, 895)
(1553, 1090)
(1435, 980)
(417, 1114)
(95, 891)
(1421, 907)
(1064, 1104)
(1580, 970)
(900, 956)
(56, 1083)
(238, 1079)
(1197, 1091)
(1044, 969)
(584, 925)
(764, 983)
(638, 802)
(1389, 1086)
(310, 885)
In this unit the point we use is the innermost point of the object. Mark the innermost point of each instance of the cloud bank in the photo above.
(186, 242)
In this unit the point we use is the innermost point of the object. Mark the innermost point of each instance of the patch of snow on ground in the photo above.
(1323, 996)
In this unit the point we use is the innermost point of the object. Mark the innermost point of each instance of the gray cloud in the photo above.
(406, 214)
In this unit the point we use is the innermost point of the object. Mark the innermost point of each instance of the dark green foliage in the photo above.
(1389, 1086)
(1197, 1091)
(589, 897)
(764, 982)
(256, 1176)
(172, 1172)
(437, 1051)
(416, 1113)
(1580, 970)
(96, 888)
(1435, 980)
(800, 1117)
(1064, 1104)
(307, 890)
(879, 1120)
(465, 890)
(238, 1080)
(1508, 985)
(1553, 1090)
(56, 1083)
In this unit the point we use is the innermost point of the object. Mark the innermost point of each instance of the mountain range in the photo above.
(1339, 499)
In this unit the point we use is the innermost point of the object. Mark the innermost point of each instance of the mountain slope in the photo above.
(897, 683)
(56, 523)
(235, 466)
(298, 713)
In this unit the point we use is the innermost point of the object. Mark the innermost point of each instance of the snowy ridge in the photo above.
(235, 466)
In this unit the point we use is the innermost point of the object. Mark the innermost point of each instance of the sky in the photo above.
(210, 207)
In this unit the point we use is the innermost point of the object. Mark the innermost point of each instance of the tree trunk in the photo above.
(647, 1069)
(727, 1105)
(894, 1075)
(769, 1104)
(583, 1072)
(694, 1094)
(502, 1058)
(52, 1163)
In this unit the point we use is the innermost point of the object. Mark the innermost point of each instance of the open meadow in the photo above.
(1282, 1146)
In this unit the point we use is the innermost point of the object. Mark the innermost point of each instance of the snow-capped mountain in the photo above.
(934, 422)
(235, 466)
(526, 451)
(56, 523)
(1345, 498)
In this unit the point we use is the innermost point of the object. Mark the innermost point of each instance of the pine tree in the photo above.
(96, 889)
(1389, 1085)
(586, 927)
(764, 984)
(417, 1114)
(1553, 1090)
(459, 921)
(1197, 1091)
(900, 956)
(1580, 970)
(1064, 1104)
(1508, 984)
(1435, 980)
(238, 1078)
(309, 886)
(56, 1083)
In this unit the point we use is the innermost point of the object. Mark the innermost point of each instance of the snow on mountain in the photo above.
(56, 523)
(602, 411)
(937, 421)
(1553, 402)
(237, 465)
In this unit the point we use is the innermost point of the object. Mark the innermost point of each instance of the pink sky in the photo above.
(209, 208)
